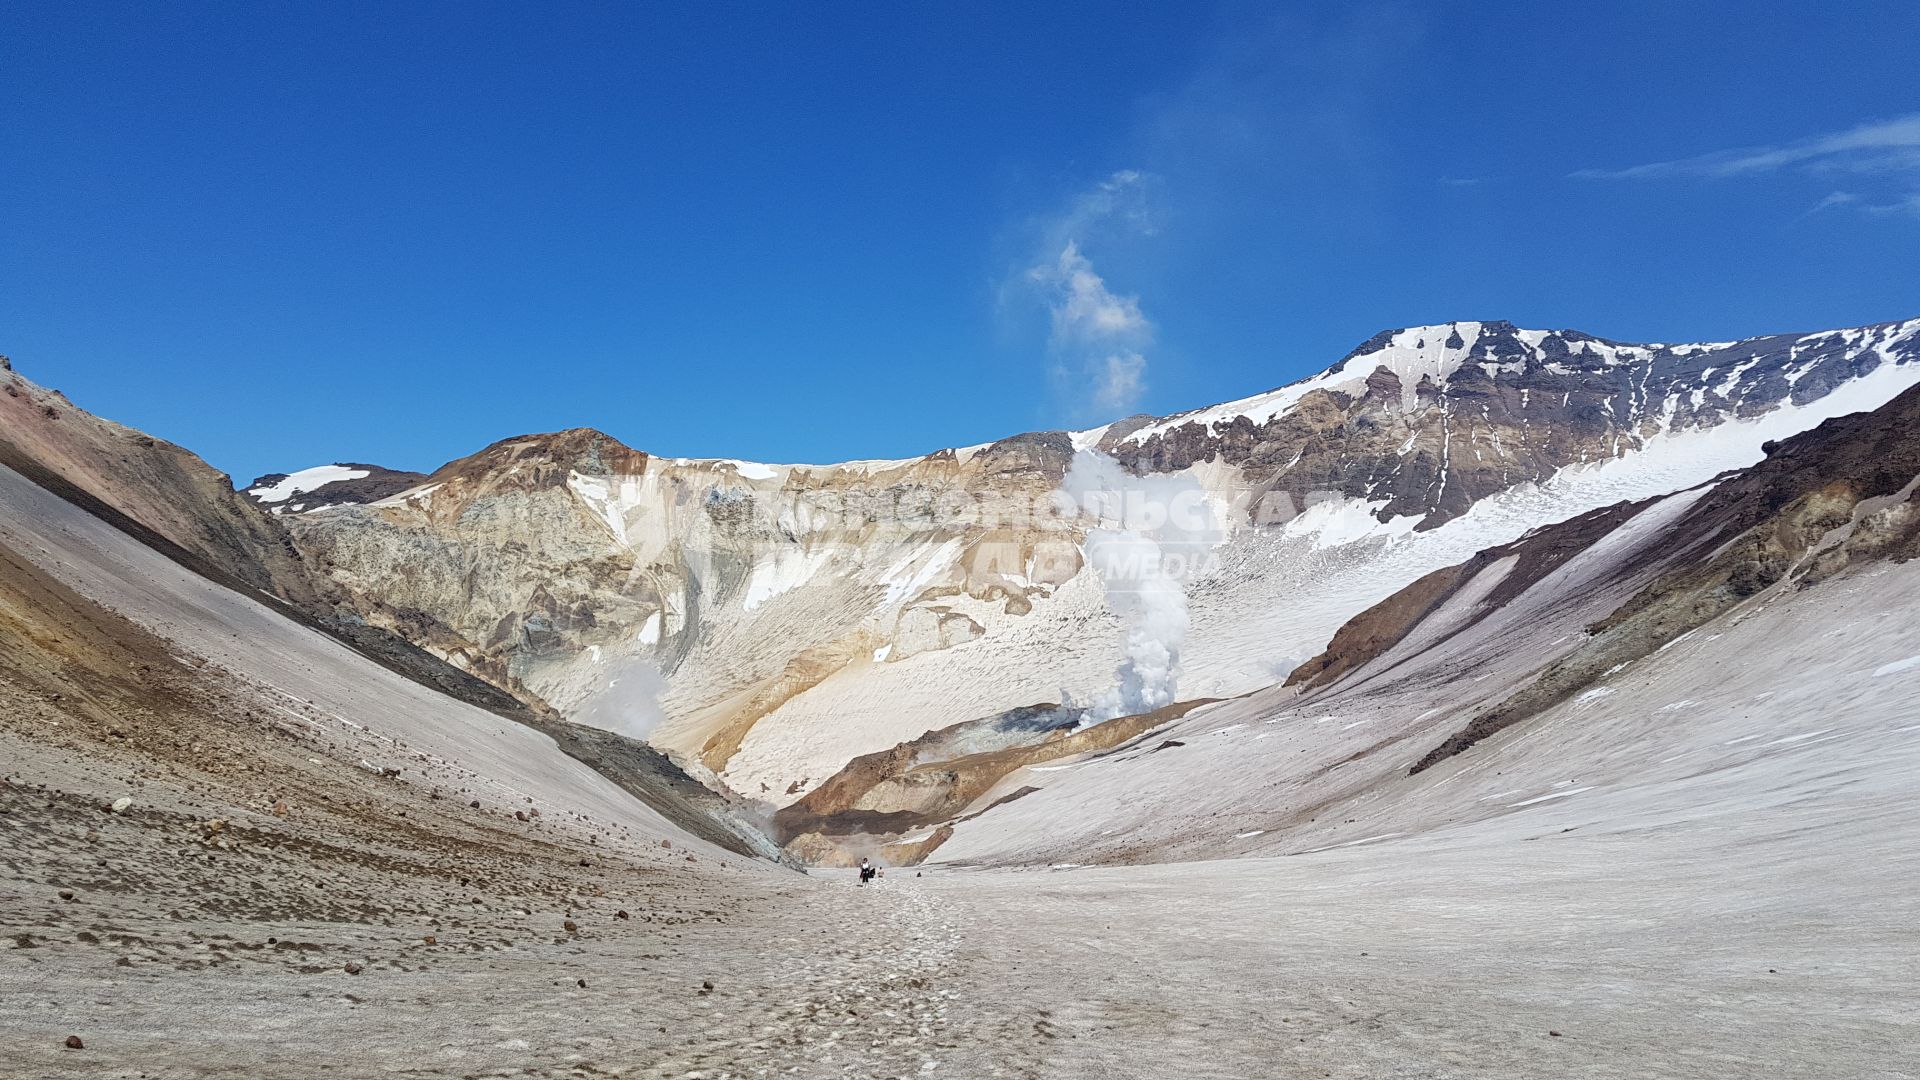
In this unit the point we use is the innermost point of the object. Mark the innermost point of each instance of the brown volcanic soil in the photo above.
(167, 493)
(176, 504)
(65, 650)
(803, 672)
(169, 500)
(262, 906)
(544, 460)
(1368, 635)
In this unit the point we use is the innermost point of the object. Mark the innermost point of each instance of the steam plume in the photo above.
(1148, 536)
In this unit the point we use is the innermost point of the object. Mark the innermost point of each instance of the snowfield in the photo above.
(304, 480)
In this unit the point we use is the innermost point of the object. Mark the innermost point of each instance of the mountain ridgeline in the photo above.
(792, 617)
(768, 624)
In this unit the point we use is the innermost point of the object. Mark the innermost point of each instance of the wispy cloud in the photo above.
(1906, 206)
(1838, 198)
(1903, 206)
(1085, 311)
(1122, 200)
(1878, 146)
(1278, 110)
(1099, 337)
(1881, 156)
(1122, 379)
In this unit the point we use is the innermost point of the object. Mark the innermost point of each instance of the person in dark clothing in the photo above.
(867, 871)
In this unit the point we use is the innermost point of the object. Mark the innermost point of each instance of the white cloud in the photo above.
(1121, 199)
(1085, 311)
(1878, 146)
(1907, 205)
(1099, 337)
(1902, 206)
(1279, 109)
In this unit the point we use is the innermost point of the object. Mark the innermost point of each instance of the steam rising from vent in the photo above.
(628, 702)
(1147, 536)
(1155, 609)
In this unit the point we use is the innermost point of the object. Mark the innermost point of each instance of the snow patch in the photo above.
(1897, 666)
(1555, 795)
(751, 470)
(910, 576)
(304, 480)
(1335, 522)
(788, 569)
(1802, 737)
(1412, 354)
(1087, 440)
(425, 491)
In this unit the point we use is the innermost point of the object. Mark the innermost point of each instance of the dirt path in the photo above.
(257, 953)
(865, 982)
(1459, 957)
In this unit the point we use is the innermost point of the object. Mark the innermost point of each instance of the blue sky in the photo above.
(285, 234)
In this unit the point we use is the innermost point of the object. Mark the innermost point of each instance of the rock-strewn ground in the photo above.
(1677, 952)
(277, 955)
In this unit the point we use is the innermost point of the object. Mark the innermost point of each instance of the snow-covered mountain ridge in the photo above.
(1709, 648)
(1673, 387)
(775, 621)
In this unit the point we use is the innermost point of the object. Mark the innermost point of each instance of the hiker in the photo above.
(868, 871)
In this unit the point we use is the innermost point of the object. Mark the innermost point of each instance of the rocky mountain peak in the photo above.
(1424, 421)
(544, 460)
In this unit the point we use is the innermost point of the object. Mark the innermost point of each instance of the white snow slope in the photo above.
(1797, 705)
